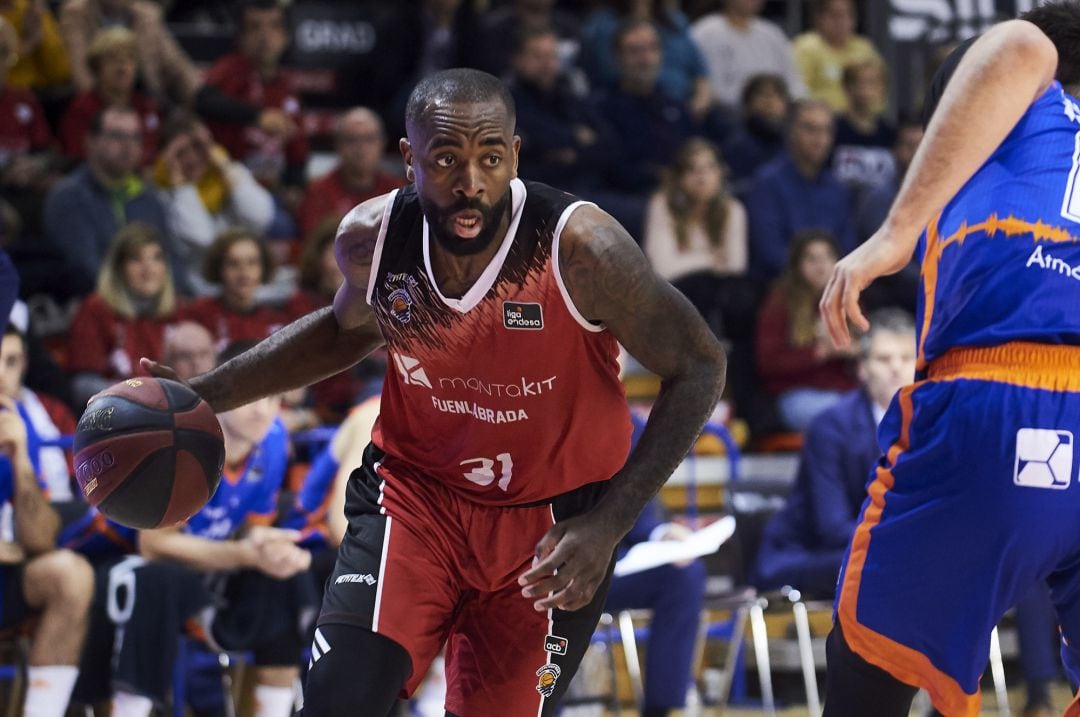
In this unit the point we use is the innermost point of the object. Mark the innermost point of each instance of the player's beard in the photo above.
(439, 222)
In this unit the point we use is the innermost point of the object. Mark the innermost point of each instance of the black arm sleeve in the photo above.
(213, 104)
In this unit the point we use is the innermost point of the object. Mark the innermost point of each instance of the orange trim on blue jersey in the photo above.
(902, 662)
(1051, 367)
(1010, 226)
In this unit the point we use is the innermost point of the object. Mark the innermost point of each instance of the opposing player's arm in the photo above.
(995, 82)
(997, 79)
(610, 281)
(315, 346)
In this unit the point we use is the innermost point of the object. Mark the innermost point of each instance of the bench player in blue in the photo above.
(975, 498)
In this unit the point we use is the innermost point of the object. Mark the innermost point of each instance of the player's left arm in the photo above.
(610, 282)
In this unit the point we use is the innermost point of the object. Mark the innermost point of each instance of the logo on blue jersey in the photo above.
(1044, 458)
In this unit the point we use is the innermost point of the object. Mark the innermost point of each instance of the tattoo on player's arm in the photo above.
(603, 275)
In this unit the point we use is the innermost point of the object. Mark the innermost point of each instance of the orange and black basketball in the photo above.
(148, 452)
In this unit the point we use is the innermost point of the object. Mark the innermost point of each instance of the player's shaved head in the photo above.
(456, 86)
(1060, 21)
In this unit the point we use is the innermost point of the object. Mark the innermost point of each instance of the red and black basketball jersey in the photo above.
(507, 394)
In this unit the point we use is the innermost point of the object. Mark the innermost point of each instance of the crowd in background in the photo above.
(156, 206)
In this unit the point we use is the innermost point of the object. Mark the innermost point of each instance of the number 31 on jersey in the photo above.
(482, 472)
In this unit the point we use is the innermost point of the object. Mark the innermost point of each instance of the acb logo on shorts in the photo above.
(1044, 458)
(555, 644)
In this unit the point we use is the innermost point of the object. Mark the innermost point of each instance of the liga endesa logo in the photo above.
(523, 316)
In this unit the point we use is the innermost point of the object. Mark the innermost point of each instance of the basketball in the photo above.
(148, 452)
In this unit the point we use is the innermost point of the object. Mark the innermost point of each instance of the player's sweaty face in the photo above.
(464, 156)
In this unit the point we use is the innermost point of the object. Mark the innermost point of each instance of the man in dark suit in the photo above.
(804, 543)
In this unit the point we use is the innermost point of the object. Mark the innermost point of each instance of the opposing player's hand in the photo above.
(571, 561)
(880, 255)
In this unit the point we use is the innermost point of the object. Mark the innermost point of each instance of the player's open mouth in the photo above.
(467, 224)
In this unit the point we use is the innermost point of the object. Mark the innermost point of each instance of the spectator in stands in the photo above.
(40, 62)
(27, 162)
(501, 28)
(797, 191)
(55, 585)
(189, 349)
(45, 416)
(649, 126)
(683, 73)
(205, 192)
(675, 593)
(864, 138)
(447, 30)
(244, 581)
(320, 278)
(760, 135)
(563, 138)
(804, 543)
(900, 289)
(875, 205)
(113, 62)
(798, 364)
(824, 52)
(696, 237)
(320, 275)
(127, 317)
(84, 211)
(360, 143)
(240, 263)
(738, 45)
(165, 70)
(252, 74)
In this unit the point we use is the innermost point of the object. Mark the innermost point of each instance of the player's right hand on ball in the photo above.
(160, 370)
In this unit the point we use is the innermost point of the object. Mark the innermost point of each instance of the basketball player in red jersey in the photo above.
(497, 483)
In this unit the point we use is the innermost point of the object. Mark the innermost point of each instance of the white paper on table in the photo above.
(654, 553)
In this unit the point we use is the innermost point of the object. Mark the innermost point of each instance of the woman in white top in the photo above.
(696, 238)
(692, 224)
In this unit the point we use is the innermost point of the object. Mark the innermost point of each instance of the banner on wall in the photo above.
(939, 21)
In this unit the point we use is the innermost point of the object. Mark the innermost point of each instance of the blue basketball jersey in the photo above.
(95, 536)
(308, 512)
(248, 494)
(1001, 262)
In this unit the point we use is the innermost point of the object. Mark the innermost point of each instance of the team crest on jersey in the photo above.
(549, 675)
(400, 297)
(527, 317)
